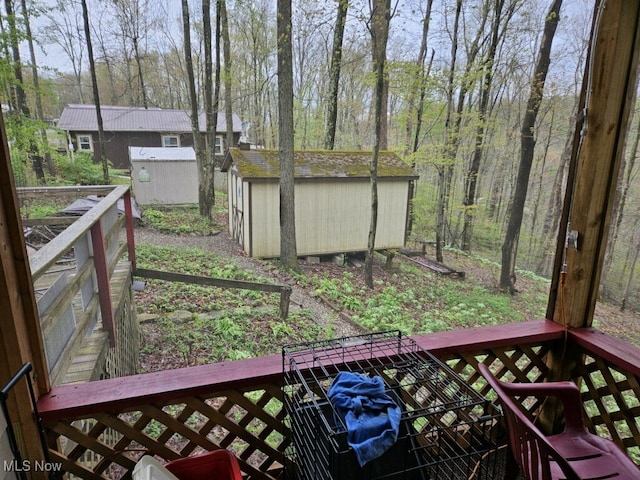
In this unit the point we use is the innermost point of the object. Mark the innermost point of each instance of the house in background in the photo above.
(333, 201)
(126, 127)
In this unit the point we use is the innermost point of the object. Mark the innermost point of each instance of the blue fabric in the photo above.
(372, 418)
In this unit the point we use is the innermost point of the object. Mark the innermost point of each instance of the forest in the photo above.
(480, 97)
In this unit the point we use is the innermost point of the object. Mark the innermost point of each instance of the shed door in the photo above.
(237, 210)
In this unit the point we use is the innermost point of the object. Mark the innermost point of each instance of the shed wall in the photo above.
(331, 217)
(172, 182)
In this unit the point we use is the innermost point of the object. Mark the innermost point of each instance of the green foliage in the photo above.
(78, 170)
(179, 220)
(422, 302)
(228, 324)
(39, 209)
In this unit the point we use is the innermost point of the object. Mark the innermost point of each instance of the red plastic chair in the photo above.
(575, 454)
(215, 465)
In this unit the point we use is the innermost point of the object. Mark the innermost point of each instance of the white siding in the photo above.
(171, 182)
(331, 217)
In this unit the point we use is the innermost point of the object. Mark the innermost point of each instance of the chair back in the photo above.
(536, 457)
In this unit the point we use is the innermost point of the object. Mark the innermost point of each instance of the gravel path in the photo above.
(224, 246)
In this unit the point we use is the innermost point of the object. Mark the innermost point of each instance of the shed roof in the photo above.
(83, 118)
(161, 153)
(265, 164)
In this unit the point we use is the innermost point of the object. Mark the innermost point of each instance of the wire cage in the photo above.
(447, 429)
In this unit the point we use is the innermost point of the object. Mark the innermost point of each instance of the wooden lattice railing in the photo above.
(99, 430)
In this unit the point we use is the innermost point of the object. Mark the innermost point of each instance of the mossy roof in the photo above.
(265, 164)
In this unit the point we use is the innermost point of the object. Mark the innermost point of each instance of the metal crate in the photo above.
(447, 428)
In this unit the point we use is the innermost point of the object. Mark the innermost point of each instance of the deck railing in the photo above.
(100, 429)
(74, 274)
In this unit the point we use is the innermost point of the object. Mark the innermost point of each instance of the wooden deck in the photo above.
(238, 405)
(82, 279)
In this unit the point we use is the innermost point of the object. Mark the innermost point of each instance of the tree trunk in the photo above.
(334, 75)
(445, 170)
(203, 202)
(20, 100)
(554, 208)
(380, 18)
(471, 177)
(527, 145)
(417, 86)
(380, 29)
(226, 53)
(143, 88)
(418, 89)
(288, 248)
(36, 87)
(210, 102)
(18, 91)
(624, 184)
(96, 94)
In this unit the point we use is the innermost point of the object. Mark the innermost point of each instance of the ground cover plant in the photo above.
(218, 324)
(180, 221)
(415, 300)
(227, 324)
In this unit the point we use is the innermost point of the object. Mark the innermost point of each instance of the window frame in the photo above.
(84, 141)
(168, 136)
(218, 147)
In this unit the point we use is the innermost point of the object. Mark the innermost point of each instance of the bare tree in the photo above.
(527, 145)
(445, 168)
(288, 247)
(64, 28)
(379, 29)
(204, 203)
(37, 92)
(96, 94)
(487, 69)
(136, 21)
(210, 98)
(226, 54)
(334, 75)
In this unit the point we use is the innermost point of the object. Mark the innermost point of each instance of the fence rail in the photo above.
(78, 274)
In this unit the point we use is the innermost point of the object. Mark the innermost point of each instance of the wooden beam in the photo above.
(610, 93)
(48, 255)
(20, 336)
(101, 265)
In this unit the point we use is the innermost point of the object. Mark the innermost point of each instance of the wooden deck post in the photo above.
(131, 246)
(610, 95)
(20, 336)
(101, 266)
(609, 89)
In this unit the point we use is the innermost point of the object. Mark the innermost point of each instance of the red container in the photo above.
(215, 465)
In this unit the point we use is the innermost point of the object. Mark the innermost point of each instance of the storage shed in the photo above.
(333, 201)
(164, 176)
(170, 175)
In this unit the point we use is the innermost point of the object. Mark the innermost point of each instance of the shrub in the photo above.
(79, 169)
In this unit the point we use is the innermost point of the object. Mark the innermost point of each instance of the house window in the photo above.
(219, 145)
(85, 143)
(170, 141)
